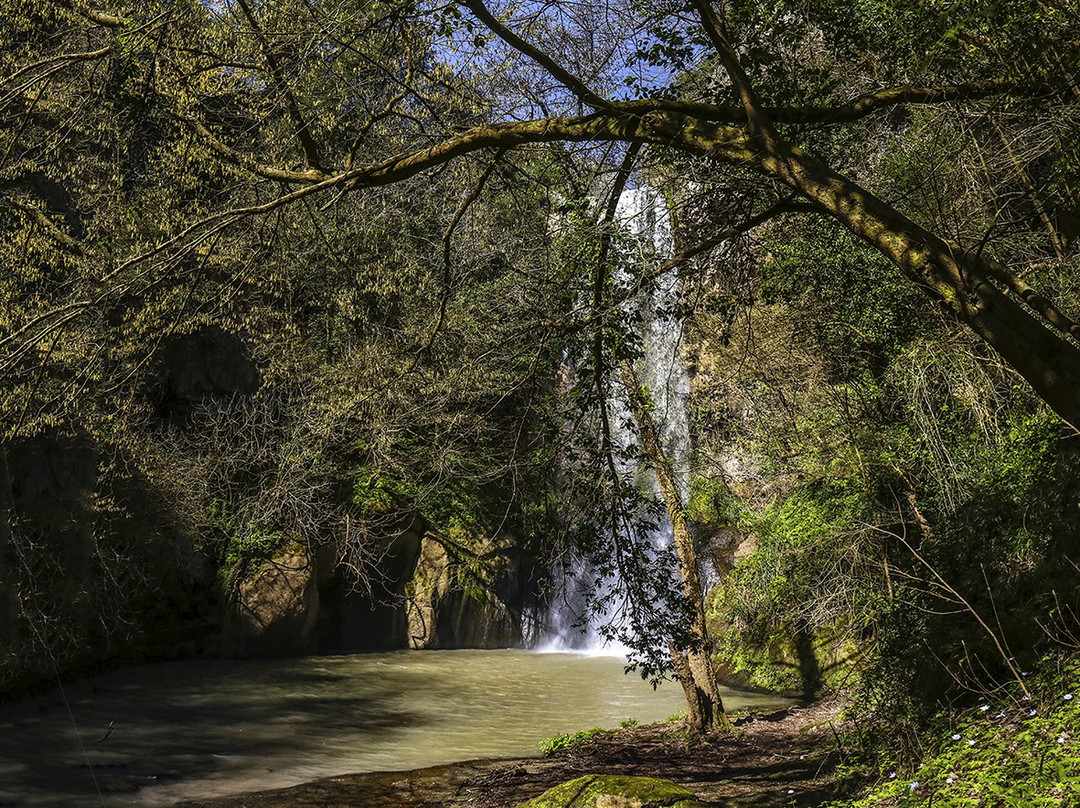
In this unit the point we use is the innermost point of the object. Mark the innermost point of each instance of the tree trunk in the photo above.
(959, 281)
(693, 665)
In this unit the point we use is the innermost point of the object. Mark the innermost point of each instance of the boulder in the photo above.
(615, 791)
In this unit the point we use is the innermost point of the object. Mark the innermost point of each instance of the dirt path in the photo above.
(782, 759)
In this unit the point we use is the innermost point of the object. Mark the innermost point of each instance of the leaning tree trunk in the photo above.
(958, 280)
(693, 665)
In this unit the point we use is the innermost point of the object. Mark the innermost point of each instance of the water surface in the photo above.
(209, 728)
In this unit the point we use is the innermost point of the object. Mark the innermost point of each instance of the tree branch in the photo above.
(1034, 300)
(86, 11)
(48, 225)
(757, 121)
(564, 76)
(85, 56)
(292, 107)
(245, 161)
(866, 104)
(858, 107)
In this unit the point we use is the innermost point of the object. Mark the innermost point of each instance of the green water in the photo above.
(207, 728)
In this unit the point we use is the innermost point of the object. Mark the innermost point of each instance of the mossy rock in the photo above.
(615, 791)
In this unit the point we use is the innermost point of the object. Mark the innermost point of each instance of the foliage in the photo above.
(802, 594)
(256, 381)
(712, 504)
(358, 194)
(245, 551)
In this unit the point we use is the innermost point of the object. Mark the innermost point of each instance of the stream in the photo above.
(158, 734)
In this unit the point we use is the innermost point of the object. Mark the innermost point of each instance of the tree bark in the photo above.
(693, 665)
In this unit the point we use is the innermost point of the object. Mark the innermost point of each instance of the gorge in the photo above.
(345, 342)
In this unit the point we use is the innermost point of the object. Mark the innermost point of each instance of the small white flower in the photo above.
(791, 791)
(984, 708)
(1026, 697)
(1032, 713)
(1023, 673)
(949, 780)
(1000, 715)
(1061, 739)
(914, 785)
(971, 741)
(956, 736)
(1068, 697)
(892, 775)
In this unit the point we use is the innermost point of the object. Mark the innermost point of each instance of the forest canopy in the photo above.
(198, 127)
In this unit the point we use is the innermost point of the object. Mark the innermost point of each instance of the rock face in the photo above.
(465, 596)
(275, 610)
(370, 617)
(615, 791)
(430, 585)
(431, 592)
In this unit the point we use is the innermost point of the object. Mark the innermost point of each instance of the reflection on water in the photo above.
(206, 728)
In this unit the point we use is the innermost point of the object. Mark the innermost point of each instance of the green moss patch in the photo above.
(615, 791)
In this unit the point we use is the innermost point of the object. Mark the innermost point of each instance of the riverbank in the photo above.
(784, 758)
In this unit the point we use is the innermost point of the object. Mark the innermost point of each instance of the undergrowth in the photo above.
(1011, 750)
(549, 746)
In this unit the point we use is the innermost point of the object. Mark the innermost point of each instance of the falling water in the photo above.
(643, 215)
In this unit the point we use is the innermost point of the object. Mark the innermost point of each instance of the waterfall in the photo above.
(643, 216)
(663, 371)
